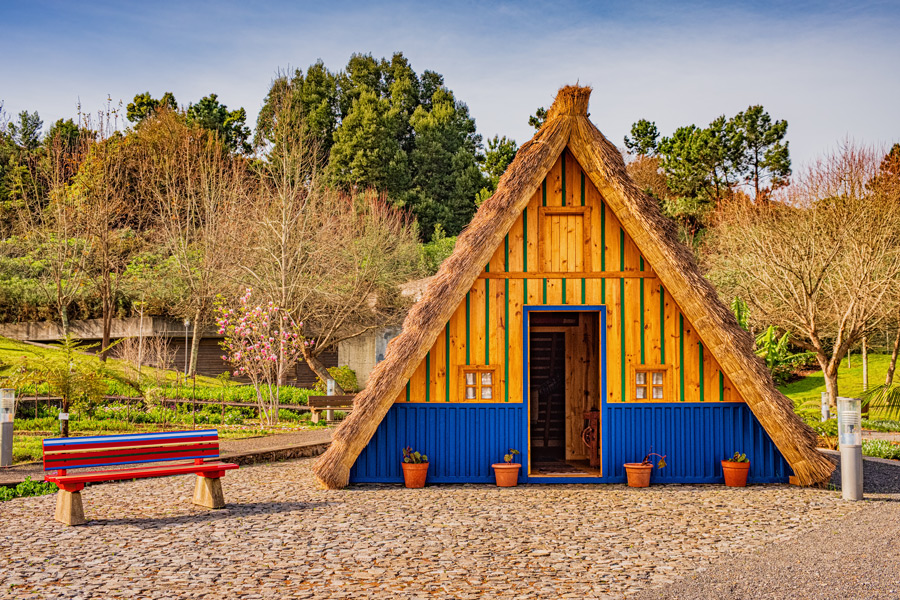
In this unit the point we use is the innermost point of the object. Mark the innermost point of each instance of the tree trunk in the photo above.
(106, 303)
(831, 385)
(64, 424)
(889, 378)
(865, 363)
(195, 344)
(319, 369)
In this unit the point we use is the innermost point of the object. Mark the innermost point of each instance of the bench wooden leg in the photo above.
(69, 509)
(208, 492)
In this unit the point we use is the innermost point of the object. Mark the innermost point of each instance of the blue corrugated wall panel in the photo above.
(462, 440)
(695, 437)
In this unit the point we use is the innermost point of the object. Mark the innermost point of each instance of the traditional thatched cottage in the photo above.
(569, 292)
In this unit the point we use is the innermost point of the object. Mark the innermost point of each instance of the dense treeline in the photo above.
(84, 227)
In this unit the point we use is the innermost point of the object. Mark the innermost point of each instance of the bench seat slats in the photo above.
(128, 449)
(84, 448)
(120, 457)
(156, 471)
(125, 437)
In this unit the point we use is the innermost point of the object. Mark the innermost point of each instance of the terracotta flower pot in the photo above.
(735, 473)
(506, 474)
(414, 474)
(638, 474)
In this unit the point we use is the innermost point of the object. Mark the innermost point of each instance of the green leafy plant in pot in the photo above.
(638, 474)
(506, 473)
(415, 468)
(736, 470)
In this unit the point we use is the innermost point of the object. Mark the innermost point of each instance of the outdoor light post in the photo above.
(187, 323)
(850, 432)
(7, 414)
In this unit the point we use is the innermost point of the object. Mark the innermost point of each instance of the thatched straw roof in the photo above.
(567, 124)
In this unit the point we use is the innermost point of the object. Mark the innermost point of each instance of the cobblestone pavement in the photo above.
(280, 537)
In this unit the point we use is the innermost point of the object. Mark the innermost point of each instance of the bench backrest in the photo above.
(129, 449)
(320, 401)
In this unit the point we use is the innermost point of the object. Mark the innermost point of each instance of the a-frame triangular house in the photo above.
(568, 303)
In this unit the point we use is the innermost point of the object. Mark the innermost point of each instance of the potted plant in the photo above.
(736, 469)
(639, 473)
(507, 472)
(415, 468)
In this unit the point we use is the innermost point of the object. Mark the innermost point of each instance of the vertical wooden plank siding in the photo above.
(644, 325)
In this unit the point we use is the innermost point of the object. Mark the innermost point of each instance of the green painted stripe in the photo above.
(603, 250)
(564, 291)
(407, 391)
(662, 326)
(622, 330)
(525, 253)
(545, 291)
(642, 322)
(702, 395)
(721, 387)
(487, 322)
(447, 362)
(603, 236)
(428, 377)
(681, 352)
(544, 192)
(583, 292)
(563, 161)
(506, 343)
(582, 188)
(506, 253)
(468, 313)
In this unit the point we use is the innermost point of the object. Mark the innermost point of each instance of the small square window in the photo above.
(649, 384)
(477, 382)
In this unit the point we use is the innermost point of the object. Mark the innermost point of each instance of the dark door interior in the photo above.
(547, 365)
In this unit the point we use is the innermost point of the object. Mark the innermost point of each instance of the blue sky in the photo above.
(829, 68)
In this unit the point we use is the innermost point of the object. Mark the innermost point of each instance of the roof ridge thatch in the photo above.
(567, 124)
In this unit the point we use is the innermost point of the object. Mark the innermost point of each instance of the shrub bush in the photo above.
(27, 488)
(881, 449)
(344, 376)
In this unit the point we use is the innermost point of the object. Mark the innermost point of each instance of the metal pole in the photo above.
(7, 414)
(850, 430)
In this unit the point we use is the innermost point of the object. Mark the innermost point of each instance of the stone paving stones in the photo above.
(281, 537)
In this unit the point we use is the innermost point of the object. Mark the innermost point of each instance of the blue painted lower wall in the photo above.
(462, 440)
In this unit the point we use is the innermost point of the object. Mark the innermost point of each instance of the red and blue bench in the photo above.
(133, 451)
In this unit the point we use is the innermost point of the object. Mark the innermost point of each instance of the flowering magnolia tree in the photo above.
(262, 343)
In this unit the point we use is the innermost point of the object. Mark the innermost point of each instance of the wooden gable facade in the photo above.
(633, 356)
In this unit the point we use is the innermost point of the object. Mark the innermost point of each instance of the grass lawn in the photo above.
(849, 379)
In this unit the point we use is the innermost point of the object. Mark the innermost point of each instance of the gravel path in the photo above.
(281, 537)
(849, 558)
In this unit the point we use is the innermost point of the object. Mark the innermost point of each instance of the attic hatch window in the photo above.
(478, 382)
(649, 385)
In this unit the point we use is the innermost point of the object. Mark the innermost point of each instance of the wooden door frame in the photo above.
(600, 309)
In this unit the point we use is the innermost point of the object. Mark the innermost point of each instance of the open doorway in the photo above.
(564, 385)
